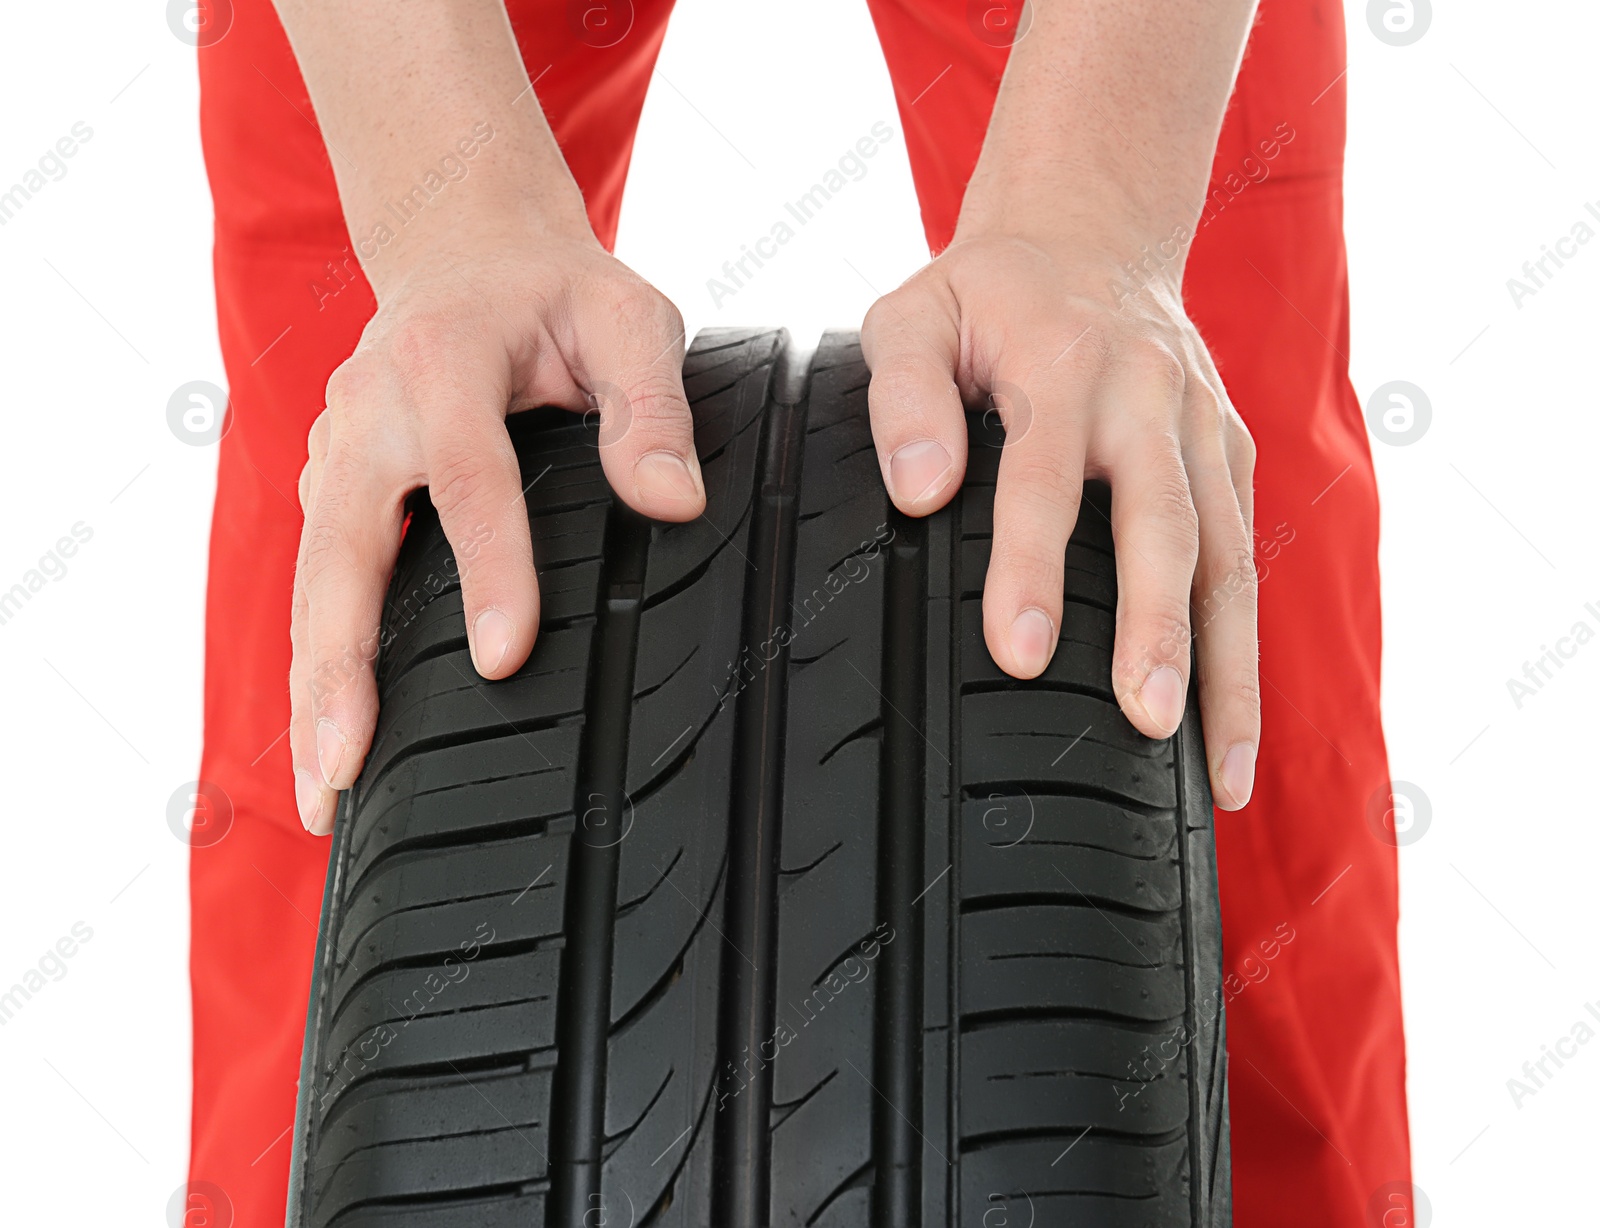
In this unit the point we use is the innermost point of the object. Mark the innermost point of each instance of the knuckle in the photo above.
(1241, 572)
(458, 479)
(335, 673)
(909, 318)
(897, 389)
(881, 315)
(1085, 351)
(351, 384)
(1036, 475)
(416, 342)
(1232, 583)
(671, 317)
(1244, 694)
(656, 402)
(638, 308)
(1170, 504)
(1155, 365)
(1241, 445)
(1165, 636)
(329, 543)
(1204, 412)
(317, 437)
(1030, 561)
(325, 553)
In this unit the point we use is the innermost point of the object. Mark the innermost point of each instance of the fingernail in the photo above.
(917, 470)
(491, 640)
(307, 797)
(663, 476)
(1162, 697)
(1033, 640)
(1239, 773)
(330, 749)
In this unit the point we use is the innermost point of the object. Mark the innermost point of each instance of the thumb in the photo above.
(919, 425)
(633, 375)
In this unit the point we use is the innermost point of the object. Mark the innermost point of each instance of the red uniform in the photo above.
(1308, 889)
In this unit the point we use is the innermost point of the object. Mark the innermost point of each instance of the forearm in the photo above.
(1106, 123)
(440, 92)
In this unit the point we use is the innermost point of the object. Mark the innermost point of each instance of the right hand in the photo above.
(461, 339)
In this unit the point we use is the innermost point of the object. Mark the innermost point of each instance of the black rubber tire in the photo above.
(760, 896)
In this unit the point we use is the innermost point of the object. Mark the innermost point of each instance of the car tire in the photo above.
(759, 895)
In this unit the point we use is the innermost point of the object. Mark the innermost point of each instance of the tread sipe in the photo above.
(760, 896)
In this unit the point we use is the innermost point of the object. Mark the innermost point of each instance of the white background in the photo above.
(1470, 149)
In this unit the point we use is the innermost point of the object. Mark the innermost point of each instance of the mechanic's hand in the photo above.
(1089, 383)
(463, 339)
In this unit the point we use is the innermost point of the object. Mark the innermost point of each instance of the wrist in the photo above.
(1112, 264)
(1114, 206)
(480, 192)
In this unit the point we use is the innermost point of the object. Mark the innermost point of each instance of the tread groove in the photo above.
(896, 1194)
(741, 1138)
(577, 1116)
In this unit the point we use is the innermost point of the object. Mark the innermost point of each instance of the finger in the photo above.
(1241, 453)
(911, 345)
(313, 799)
(632, 370)
(1153, 522)
(1036, 501)
(475, 483)
(1224, 608)
(351, 540)
(1214, 412)
(316, 455)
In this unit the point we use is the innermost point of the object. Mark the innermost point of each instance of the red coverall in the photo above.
(1317, 1073)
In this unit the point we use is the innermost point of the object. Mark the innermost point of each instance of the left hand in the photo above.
(1116, 386)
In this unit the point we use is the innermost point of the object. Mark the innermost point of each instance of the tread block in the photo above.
(444, 700)
(1066, 1075)
(1068, 1179)
(442, 1013)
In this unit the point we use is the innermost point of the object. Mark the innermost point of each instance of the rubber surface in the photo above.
(760, 895)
